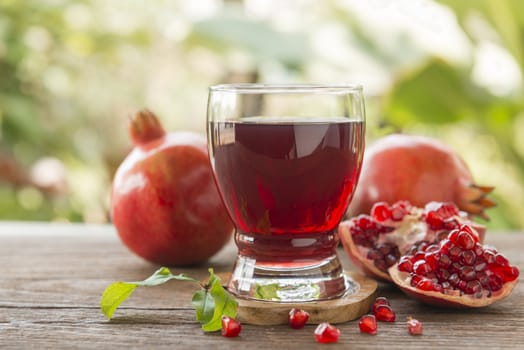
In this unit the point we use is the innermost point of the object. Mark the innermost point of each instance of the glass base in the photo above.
(290, 282)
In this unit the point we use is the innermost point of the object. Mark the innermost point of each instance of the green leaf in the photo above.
(118, 292)
(267, 291)
(210, 303)
(225, 304)
(161, 276)
(204, 306)
(114, 295)
(436, 94)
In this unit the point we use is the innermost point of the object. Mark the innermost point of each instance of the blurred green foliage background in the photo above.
(71, 72)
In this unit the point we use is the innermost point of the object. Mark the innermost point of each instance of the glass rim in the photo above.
(255, 88)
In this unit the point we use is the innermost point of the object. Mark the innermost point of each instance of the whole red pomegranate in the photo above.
(165, 204)
(420, 170)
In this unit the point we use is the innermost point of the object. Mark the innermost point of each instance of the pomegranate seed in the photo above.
(397, 214)
(384, 313)
(390, 259)
(445, 246)
(444, 261)
(454, 279)
(478, 249)
(489, 257)
(453, 236)
(419, 246)
(481, 266)
(414, 326)
(495, 283)
(406, 205)
(419, 256)
(454, 253)
(448, 210)
(230, 327)
(379, 301)
(434, 221)
(326, 333)
(501, 260)
(467, 273)
(467, 257)
(506, 273)
(368, 324)
(433, 260)
(451, 224)
(443, 275)
(473, 287)
(405, 264)
(297, 318)
(468, 229)
(426, 284)
(455, 267)
(462, 285)
(465, 240)
(380, 211)
(421, 267)
(415, 279)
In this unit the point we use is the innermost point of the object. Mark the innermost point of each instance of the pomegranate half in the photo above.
(457, 272)
(376, 242)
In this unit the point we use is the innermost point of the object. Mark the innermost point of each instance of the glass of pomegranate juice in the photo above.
(286, 159)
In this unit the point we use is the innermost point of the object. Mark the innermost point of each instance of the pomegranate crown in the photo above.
(144, 127)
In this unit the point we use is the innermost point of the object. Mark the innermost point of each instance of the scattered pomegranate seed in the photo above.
(379, 301)
(384, 313)
(230, 327)
(368, 324)
(414, 326)
(326, 333)
(297, 318)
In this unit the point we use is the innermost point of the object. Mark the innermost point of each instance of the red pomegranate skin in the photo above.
(165, 204)
(418, 169)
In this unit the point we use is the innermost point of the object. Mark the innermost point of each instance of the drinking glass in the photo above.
(286, 159)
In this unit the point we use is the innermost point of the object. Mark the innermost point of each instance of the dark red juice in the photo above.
(287, 183)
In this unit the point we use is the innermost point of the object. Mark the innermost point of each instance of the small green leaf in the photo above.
(267, 291)
(210, 303)
(114, 295)
(225, 304)
(161, 276)
(118, 292)
(204, 306)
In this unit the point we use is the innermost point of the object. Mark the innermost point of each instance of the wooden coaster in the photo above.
(346, 308)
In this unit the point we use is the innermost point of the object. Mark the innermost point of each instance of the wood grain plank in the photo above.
(63, 328)
(52, 276)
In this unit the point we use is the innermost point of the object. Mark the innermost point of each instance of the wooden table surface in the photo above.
(52, 276)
